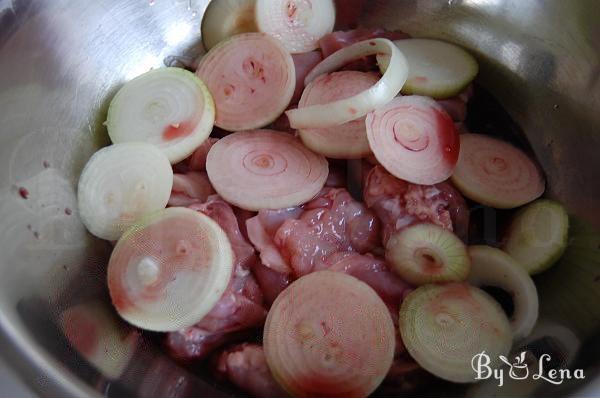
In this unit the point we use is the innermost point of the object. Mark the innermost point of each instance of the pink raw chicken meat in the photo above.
(271, 282)
(189, 188)
(197, 161)
(245, 366)
(399, 204)
(240, 307)
(456, 106)
(330, 223)
(262, 229)
(374, 272)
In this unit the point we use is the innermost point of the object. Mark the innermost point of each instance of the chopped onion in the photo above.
(348, 140)
(493, 267)
(169, 107)
(252, 80)
(169, 270)
(119, 184)
(225, 18)
(298, 24)
(265, 169)
(329, 335)
(495, 173)
(414, 139)
(345, 110)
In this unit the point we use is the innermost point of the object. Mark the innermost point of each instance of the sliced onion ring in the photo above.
(251, 78)
(225, 18)
(169, 270)
(298, 24)
(348, 140)
(495, 173)
(329, 335)
(168, 107)
(265, 169)
(345, 110)
(445, 326)
(493, 267)
(120, 184)
(414, 139)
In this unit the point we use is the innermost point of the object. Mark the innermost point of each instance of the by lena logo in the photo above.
(519, 369)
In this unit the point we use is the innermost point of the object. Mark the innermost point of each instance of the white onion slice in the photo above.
(436, 68)
(298, 24)
(169, 107)
(329, 335)
(493, 267)
(345, 141)
(225, 18)
(265, 169)
(169, 270)
(445, 326)
(496, 173)
(121, 183)
(345, 110)
(252, 79)
(414, 139)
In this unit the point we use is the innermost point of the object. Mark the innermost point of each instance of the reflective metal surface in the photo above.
(60, 63)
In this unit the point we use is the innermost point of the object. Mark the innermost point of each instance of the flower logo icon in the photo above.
(519, 370)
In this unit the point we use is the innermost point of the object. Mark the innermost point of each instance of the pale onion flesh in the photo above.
(169, 270)
(226, 18)
(298, 24)
(329, 335)
(496, 173)
(445, 326)
(265, 169)
(348, 140)
(436, 68)
(251, 77)
(168, 107)
(493, 267)
(414, 139)
(121, 183)
(345, 110)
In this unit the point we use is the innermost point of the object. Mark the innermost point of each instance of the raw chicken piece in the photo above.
(245, 366)
(220, 211)
(330, 223)
(262, 229)
(374, 272)
(336, 40)
(240, 307)
(189, 188)
(271, 282)
(399, 204)
(304, 63)
(456, 106)
(242, 216)
(197, 161)
(193, 343)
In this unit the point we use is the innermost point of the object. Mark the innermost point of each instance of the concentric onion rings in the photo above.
(265, 169)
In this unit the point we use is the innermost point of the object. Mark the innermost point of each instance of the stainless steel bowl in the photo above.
(60, 63)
